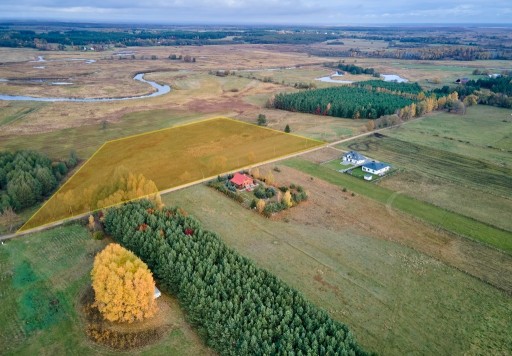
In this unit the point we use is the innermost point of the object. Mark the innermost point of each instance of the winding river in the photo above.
(160, 90)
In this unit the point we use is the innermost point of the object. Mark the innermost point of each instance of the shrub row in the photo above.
(223, 188)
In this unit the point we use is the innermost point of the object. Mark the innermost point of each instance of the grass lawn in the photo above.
(396, 301)
(170, 158)
(429, 213)
(336, 165)
(42, 277)
(358, 173)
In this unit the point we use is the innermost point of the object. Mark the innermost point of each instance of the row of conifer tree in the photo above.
(238, 308)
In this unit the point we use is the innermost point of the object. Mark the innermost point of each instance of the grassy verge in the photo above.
(441, 218)
(336, 165)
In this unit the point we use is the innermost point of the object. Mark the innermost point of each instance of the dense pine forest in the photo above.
(33, 39)
(27, 177)
(343, 101)
(238, 308)
(392, 87)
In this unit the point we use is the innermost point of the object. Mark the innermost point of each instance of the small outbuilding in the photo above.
(157, 293)
(353, 157)
(368, 177)
(242, 181)
(462, 81)
(378, 168)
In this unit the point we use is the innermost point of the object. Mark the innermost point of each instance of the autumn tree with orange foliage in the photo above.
(123, 285)
(129, 186)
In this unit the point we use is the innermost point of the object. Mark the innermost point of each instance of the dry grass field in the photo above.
(403, 287)
(111, 76)
(290, 76)
(169, 158)
(194, 89)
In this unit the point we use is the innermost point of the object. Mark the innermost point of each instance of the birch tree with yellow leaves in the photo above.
(123, 285)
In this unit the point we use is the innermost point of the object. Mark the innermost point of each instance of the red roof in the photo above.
(241, 179)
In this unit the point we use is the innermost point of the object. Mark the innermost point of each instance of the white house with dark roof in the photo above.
(353, 157)
(377, 168)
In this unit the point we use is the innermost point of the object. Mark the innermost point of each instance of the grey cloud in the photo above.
(259, 11)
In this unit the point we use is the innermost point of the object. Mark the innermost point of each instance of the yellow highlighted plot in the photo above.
(141, 165)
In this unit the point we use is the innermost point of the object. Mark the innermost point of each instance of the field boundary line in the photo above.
(275, 130)
(322, 144)
(165, 191)
(92, 156)
(164, 129)
(21, 231)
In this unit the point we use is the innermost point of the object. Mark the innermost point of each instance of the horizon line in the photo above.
(6, 21)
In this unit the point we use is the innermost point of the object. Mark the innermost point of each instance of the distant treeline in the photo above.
(292, 37)
(27, 177)
(423, 43)
(27, 38)
(82, 37)
(462, 53)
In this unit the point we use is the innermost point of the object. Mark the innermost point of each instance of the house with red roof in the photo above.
(242, 181)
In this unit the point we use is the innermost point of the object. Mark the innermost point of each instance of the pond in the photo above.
(393, 78)
(329, 79)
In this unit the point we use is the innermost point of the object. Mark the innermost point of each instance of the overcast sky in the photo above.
(307, 12)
